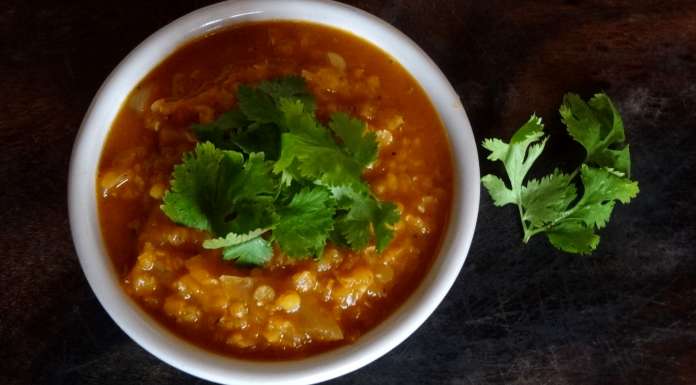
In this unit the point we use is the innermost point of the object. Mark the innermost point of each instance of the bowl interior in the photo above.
(159, 341)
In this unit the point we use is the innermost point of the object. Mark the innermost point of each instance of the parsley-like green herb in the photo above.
(305, 222)
(221, 192)
(551, 204)
(357, 212)
(269, 172)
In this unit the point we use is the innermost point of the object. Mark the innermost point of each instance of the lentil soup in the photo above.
(287, 308)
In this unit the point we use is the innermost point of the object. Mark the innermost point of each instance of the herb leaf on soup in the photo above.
(269, 172)
(211, 184)
(305, 222)
(356, 140)
(256, 251)
(358, 212)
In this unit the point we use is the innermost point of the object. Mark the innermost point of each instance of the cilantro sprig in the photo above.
(552, 205)
(270, 172)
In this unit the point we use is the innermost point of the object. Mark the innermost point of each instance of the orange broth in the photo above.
(287, 309)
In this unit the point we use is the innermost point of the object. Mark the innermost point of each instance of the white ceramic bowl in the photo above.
(177, 352)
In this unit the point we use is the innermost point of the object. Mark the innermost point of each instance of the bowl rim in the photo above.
(194, 360)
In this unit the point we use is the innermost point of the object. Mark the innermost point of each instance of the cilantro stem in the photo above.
(577, 170)
(529, 234)
(524, 225)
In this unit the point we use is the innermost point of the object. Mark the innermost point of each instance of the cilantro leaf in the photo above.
(256, 251)
(574, 229)
(257, 106)
(257, 179)
(543, 199)
(309, 152)
(232, 239)
(385, 218)
(573, 238)
(499, 192)
(233, 131)
(518, 155)
(189, 200)
(263, 138)
(355, 216)
(289, 87)
(602, 188)
(220, 130)
(361, 215)
(598, 127)
(260, 104)
(250, 215)
(305, 222)
(211, 185)
(358, 142)
(551, 205)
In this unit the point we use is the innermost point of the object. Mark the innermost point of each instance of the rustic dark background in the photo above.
(517, 315)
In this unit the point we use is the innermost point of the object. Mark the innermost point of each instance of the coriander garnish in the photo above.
(269, 171)
(551, 204)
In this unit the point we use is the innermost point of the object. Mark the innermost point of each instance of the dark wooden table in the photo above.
(517, 315)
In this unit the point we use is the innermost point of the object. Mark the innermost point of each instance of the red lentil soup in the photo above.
(286, 309)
